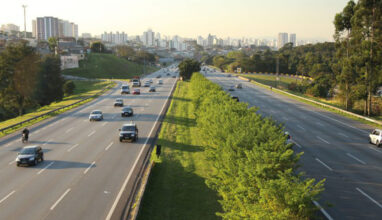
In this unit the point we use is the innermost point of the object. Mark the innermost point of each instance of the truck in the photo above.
(136, 81)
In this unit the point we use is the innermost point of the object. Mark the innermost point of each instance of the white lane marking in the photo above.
(74, 146)
(39, 172)
(104, 123)
(355, 158)
(322, 210)
(12, 162)
(59, 199)
(343, 135)
(302, 128)
(298, 145)
(324, 164)
(36, 132)
(87, 169)
(91, 133)
(369, 197)
(7, 196)
(322, 139)
(46, 142)
(108, 146)
(375, 149)
(108, 217)
(67, 131)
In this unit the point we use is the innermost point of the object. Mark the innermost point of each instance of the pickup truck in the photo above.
(136, 82)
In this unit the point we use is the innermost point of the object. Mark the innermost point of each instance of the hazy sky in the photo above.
(187, 18)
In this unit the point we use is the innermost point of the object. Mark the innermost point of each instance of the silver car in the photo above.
(96, 115)
(376, 137)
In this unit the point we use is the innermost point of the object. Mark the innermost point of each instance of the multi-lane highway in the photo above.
(86, 168)
(335, 148)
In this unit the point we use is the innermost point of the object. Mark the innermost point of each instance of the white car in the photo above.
(160, 82)
(147, 84)
(376, 137)
(96, 115)
(125, 89)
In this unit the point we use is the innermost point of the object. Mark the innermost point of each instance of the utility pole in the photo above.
(277, 70)
(25, 22)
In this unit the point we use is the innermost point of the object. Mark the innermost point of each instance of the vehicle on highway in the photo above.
(125, 89)
(96, 115)
(127, 112)
(30, 155)
(173, 76)
(167, 74)
(235, 98)
(128, 132)
(152, 89)
(160, 82)
(231, 88)
(229, 75)
(25, 135)
(136, 81)
(118, 102)
(159, 76)
(151, 80)
(239, 86)
(376, 137)
(136, 91)
(147, 84)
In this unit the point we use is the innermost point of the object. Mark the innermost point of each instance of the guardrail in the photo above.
(19, 124)
(318, 103)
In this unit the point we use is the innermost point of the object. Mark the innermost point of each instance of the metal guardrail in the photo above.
(19, 124)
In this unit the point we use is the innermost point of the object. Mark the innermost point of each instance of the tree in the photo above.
(69, 87)
(187, 67)
(53, 43)
(98, 47)
(50, 81)
(125, 51)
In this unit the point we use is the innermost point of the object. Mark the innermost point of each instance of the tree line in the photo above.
(29, 80)
(254, 168)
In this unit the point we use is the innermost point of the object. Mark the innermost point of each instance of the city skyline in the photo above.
(258, 19)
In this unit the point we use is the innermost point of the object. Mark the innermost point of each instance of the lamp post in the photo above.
(25, 23)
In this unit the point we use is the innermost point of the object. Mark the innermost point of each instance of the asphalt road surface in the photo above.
(335, 148)
(85, 167)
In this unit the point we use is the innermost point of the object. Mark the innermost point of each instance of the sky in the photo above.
(309, 19)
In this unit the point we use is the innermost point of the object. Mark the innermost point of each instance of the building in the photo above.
(10, 28)
(148, 38)
(292, 39)
(44, 28)
(117, 38)
(282, 40)
(86, 35)
(210, 40)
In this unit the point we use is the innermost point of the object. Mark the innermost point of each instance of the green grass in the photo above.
(176, 187)
(84, 89)
(108, 66)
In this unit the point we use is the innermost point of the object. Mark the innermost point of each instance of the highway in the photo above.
(86, 168)
(335, 148)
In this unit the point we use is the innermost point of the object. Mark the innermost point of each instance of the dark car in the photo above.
(126, 112)
(136, 91)
(30, 155)
(167, 74)
(128, 132)
(159, 76)
(174, 76)
(235, 98)
(231, 88)
(152, 89)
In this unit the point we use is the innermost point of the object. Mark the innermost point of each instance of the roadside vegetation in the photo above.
(230, 150)
(108, 66)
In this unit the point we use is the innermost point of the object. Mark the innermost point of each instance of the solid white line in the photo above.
(91, 133)
(344, 135)
(355, 158)
(39, 172)
(324, 164)
(7, 196)
(302, 128)
(369, 197)
(108, 146)
(87, 169)
(323, 140)
(108, 217)
(59, 200)
(67, 131)
(74, 146)
(322, 210)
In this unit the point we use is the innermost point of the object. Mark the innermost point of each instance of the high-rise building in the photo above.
(282, 40)
(86, 35)
(200, 40)
(148, 38)
(210, 40)
(34, 29)
(117, 38)
(46, 27)
(292, 39)
(10, 28)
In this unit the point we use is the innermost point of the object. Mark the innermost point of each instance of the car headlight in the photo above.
(132, 134)
(120, 135)
(17, 159)
(31, 158)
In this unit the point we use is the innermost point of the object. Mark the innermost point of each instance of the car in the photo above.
(136, 91)
(173, 76)
(159, 76)
(147, 84)
(167, 74)
(128, 132)
(125, 89)
(127, 111)
(239, 86)
(235, 98)
(160, 82)
(152, 89)
(376, 137)
(231, 88)
(30, 155)
(151, 80)
(96, 115)
(136, 82)
(229, 75)
(118, 102)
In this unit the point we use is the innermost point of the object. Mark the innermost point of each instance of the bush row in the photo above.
(254, 169)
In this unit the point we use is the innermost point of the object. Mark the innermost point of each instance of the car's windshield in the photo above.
(96, 112)
(119, 100)
(127, 109)
(25, 151)
(128, 128)
(125, 87)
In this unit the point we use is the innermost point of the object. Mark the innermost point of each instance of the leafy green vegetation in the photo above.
(108, 66)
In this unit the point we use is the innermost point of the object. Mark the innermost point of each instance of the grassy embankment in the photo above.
(176, 188)
(84, 89)
(108, 66)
